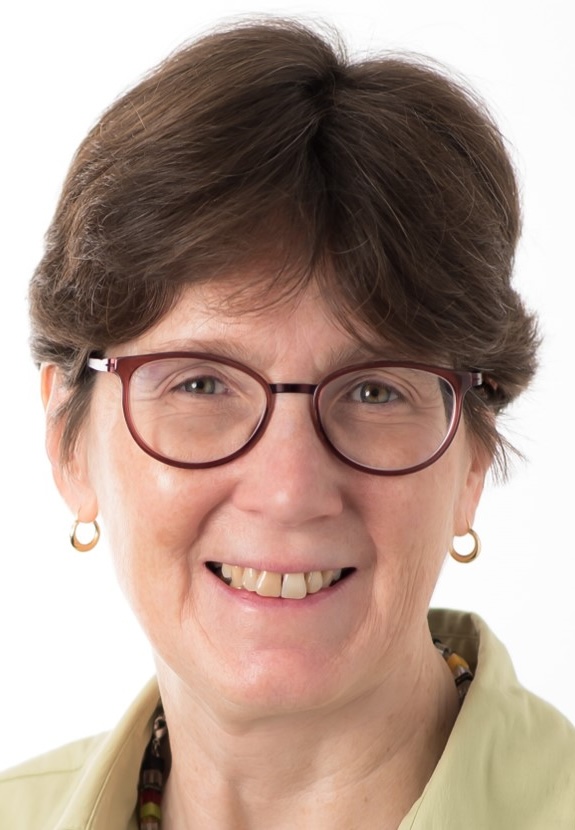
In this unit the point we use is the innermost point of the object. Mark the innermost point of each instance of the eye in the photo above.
(202, 385)
(374, 392)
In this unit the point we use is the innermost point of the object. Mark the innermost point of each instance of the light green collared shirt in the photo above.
(509, 763)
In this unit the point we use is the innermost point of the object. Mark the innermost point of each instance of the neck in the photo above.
(360, 764)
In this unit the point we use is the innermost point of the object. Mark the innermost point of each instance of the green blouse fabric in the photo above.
(509, 763)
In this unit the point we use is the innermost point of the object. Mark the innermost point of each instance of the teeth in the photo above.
(327, 578)
(250, 580)
(271, 584)
(314, 582)
(293, 586)
(237, 577)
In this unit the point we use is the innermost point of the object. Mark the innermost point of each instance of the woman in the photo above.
(299, 269)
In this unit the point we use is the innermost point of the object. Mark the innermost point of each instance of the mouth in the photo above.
(273, 584)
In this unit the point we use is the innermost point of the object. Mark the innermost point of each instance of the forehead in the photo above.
(210, 318)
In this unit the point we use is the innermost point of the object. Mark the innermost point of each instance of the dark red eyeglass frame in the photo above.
(124, 367)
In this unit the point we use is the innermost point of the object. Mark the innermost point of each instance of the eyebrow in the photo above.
(363, 353)
(347, 355)
(218, 347)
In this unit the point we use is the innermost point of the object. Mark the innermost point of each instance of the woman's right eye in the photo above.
(202, 385)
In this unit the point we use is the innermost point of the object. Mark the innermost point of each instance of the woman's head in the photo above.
(381, 181)
(279, 520)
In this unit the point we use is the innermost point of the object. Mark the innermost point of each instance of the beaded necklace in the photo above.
(151, 785)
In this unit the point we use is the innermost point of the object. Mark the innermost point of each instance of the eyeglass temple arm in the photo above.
(102, 364)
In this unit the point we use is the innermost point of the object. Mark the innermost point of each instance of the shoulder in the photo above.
(510, 760)
(33, 794)
(88, 784)
(517, 754)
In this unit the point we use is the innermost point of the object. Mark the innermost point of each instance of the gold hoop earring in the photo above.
(473, 554)
(84, 546)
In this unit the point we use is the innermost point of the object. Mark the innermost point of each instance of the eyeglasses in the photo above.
(195, 410)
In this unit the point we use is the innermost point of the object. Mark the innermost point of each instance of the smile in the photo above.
(272, 584)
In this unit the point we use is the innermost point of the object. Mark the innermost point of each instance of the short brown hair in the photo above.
(383, 179)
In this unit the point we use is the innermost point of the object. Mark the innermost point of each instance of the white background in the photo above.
(72, 657)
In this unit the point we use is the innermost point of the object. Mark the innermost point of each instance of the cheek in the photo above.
(152, 515)
(411, 525)
(155, 534)
(412, 512)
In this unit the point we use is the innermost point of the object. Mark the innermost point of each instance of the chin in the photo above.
(282, 682)
(259, 684)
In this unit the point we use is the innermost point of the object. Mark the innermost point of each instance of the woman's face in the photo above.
(287, 506)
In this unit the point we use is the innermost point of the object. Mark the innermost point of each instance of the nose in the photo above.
(289, 475)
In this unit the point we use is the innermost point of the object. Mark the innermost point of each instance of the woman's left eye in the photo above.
(373, 392)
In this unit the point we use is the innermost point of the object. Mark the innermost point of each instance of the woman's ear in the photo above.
(70, 474)
(476, 467)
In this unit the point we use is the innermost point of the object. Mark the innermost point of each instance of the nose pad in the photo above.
(290, 474)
